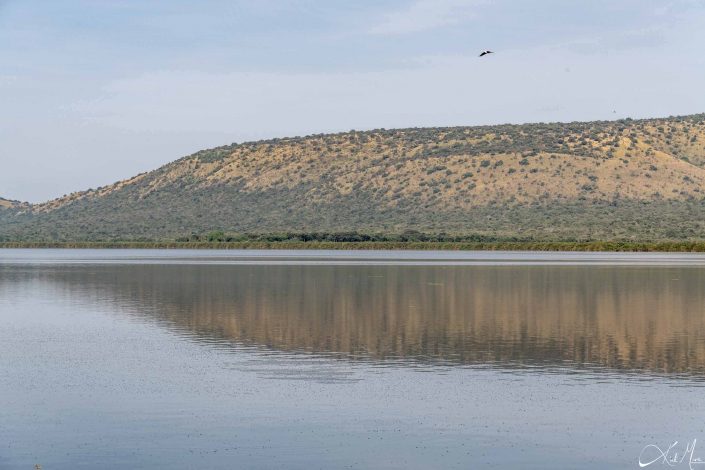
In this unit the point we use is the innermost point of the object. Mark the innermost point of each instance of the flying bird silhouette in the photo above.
(485, 53)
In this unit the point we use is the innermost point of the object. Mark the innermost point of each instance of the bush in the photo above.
(216, 236)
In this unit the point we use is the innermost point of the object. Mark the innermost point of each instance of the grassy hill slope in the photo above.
(641, 179)
(9, 204)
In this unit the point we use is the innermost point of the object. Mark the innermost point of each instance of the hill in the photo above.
(607, 180)
(7, 204)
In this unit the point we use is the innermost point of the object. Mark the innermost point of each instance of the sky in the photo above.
(95, 91)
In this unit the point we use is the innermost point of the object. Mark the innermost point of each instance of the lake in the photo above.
(183, 359)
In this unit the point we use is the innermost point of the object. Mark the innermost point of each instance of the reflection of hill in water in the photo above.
(619, 317)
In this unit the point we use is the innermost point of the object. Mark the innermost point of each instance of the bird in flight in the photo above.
(485, 53)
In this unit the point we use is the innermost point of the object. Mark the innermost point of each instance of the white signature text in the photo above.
(674, 455)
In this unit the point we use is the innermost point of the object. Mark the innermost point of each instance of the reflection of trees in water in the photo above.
(624, 318)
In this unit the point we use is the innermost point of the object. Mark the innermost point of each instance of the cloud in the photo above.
(6, 80)
(646, 38)
(423, 15)
(677, 6)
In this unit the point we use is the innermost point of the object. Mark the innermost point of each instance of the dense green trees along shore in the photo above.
(409, 240)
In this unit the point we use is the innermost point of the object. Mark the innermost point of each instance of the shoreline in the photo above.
(593, 246)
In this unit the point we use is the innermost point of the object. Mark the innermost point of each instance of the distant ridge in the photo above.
(9, 204)
(607, 180)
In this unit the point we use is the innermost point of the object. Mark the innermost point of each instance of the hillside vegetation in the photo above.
(621, 180)
(8, 204)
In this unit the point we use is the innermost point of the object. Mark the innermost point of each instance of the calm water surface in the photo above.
(191, 359)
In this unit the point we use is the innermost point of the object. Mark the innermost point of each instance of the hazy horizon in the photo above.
(94, 92)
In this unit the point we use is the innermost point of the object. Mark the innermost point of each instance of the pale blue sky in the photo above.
(96, 91)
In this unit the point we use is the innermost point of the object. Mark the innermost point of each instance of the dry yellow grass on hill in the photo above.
(7, 204)
(442, 179)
